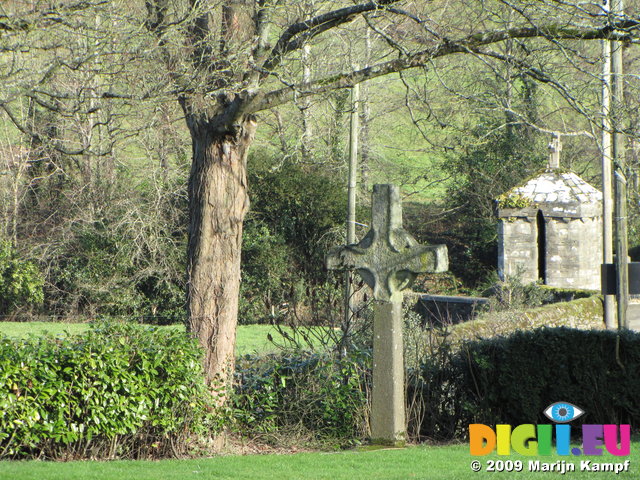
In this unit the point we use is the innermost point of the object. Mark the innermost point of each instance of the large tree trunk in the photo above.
(218, 202)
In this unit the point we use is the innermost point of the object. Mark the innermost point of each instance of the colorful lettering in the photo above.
(611, 440)
(482, 439)
(544, 439)
(530, 440)
(503, 433)
(592, 439)
(523, 439)
(563, 439)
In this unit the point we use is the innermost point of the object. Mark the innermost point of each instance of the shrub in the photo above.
(20, 282)
(513, 294)
(116, 391)
(513, 379)
(320, 395)
(297, 213)
(97, 277)
(265, 274)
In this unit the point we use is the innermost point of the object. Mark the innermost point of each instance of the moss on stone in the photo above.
(513, 200)
(584, 313)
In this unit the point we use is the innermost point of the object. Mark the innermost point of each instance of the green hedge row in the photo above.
(513, 379)
(116, 391)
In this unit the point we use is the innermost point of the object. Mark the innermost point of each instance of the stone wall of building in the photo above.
(574, 252)
(573, 249)
(517, 248)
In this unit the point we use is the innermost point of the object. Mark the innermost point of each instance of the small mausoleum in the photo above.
(550, 229)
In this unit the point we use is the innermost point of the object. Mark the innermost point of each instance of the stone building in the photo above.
(550, 229)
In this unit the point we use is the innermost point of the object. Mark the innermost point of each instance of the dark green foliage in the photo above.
(501, 160)
(302, 204)
(95, 278)
(499, 153)
(512, 380)
(296, 215)
(117, 391)
(266, 272)
(315, 394)
(20, 282)
(117, 267)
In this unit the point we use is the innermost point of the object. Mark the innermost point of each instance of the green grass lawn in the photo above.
(252, 339)
(432, 463)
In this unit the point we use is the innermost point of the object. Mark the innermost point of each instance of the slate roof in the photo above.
(557, 193)
(553, 186)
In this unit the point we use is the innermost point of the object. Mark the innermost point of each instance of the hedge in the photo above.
(513, 379)
(116, 391)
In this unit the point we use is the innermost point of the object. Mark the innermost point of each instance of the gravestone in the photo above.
(388, 259)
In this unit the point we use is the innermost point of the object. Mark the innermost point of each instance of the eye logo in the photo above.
(563, 412)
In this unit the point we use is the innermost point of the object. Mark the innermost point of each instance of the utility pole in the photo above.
(351, 211)
(619, 166)
(607, 185)
(305, 105)
(365, 131)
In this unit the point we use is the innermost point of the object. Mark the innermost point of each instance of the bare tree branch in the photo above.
(296, 34)
(262, 101)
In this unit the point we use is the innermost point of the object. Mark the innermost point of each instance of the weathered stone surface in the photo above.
(517, 248)
(388, 259)
(388, 424)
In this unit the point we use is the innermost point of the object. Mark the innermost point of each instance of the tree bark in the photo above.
(218, 202)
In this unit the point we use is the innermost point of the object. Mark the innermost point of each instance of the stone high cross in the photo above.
(388, 259)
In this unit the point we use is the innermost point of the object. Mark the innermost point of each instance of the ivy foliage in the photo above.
(297, 212)
(513, 200)
(500, 154)
(301, 204)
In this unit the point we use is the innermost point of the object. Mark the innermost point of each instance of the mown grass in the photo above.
(251, 339)
(424, 462)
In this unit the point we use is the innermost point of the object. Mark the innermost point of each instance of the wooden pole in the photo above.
(305, 106)
(353, 164)
(351, 212)
(620, 181)
(607, 185)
